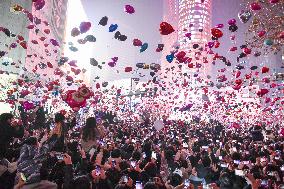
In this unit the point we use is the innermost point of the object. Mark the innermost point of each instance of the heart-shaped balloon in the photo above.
(137, 42)
(39, 4)
(264, 69)
(216, 32)
(75, 32)
(255, 6)
(219, 26)
(244, 16)
(210, 44)
(166, 28)
(261, 33)
(85, 26)
(129, 9)
(232, 22)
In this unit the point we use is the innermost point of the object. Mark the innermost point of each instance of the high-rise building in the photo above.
(195, 18)
(54, 13)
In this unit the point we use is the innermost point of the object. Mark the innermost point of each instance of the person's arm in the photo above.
(68, 172)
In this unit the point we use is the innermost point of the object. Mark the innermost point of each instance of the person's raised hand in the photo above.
(67, 159)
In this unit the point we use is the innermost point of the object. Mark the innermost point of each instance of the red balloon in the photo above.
(216, 32)
(264, 70)
(166, 28)
(128, 69)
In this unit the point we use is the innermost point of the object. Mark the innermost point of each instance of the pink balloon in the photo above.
(39, 4)
(210, 44)
(232, 22)
(255, 6)
(129, 9)
(219, 26)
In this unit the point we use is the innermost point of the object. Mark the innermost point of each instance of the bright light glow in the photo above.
(75, 15)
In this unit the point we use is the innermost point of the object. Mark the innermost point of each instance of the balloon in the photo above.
(144, 47)
(255, 6)
(281, 35)
(262, 92)
(128, 69)
(85, 26)
(111, 64)
(264, 69)
(244, 16)
(75, 32)
(188, 35)
(166, 28)
(210, 44)
(39, 4)
(120, 37)
(216, 32)
(73, 49)
(137, 42)
(170, 58)
(140, 65)
(103, 21)
(90, 38)
(232, 22)
(152, 74)
(246, 50)
(253, 68)
(233, 28)
(129, 9)
(93, 62)
(261, 33)
(112, 27)
(219, 26)
(273, 1)
(54, 42)
(268, 42)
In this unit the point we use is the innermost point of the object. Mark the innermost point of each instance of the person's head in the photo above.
(81, 182)
(151, 185)
(59, 118)
(89, 130)
(6, 118)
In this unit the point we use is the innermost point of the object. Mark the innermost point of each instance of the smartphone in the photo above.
(185, 145)
(138, 185)
(125, 179)
(154, 155)
(245, 162)
(98, 170)
(60, 156)
(239, 173)
(186, 182)
(205, 147)
(133, 163)
(23, 177)
(264, 182)
(237, 162)
(224, 165)
(113, 163)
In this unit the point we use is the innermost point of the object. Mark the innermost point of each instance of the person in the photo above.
(61, 131)
(91, 134)
(9, 130)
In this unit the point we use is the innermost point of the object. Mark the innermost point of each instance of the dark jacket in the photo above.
(7, 134)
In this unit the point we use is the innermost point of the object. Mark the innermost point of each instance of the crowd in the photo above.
(104, 154)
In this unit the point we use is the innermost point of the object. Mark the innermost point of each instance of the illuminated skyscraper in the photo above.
(188, 16)
(195, 18)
